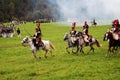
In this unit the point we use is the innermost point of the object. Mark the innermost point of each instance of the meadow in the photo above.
(18, 63)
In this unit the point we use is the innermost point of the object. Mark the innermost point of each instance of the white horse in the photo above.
(48, 46)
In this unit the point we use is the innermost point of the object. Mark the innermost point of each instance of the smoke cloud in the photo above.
(88, 9)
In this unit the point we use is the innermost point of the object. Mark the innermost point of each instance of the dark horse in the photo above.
(70, 44)
(83, 43)
(113, 39)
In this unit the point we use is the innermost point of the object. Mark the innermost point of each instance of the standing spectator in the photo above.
(18, 33)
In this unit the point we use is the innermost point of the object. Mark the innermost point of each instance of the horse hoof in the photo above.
(39, 57)
(53, 55)
(76, 54)
(106, 55)
(119, 54)
(46, 57)
(68, 52)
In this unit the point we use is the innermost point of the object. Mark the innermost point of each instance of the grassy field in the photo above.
(18, 63)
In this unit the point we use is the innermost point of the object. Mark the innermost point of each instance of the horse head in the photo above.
(110, 35)
(78, 34)
(66, 36)
(25, 40)
(105, 38)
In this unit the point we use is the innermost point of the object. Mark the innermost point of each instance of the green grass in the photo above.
(18, 63)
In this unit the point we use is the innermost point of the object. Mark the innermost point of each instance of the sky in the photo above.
(89, 9)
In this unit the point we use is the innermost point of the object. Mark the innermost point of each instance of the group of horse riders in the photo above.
(87, 37)
(37, 41)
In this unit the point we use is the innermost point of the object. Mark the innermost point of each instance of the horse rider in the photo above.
(72, 34)
(115, 26)
(116, 29)
(37, 38)
(74, 25)
(86, 36)
(116, 22)
(38, 26)
(85, 28)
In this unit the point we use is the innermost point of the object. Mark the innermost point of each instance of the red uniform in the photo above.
(85, 23)
(116, 22)
(38, 25)
(74, 25)
(85, 28)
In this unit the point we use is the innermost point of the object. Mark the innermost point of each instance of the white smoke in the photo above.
(89, 9)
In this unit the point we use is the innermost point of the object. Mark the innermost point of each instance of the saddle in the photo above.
(87, 38)
(37, 43)
(116, 36)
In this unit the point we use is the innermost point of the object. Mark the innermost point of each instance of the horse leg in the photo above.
(74, 52)
(113, 49)
(77, 51)
(51, 53)
(81, 50)
(91, 49)
(45, 54)
(67, 50)
(34, 54)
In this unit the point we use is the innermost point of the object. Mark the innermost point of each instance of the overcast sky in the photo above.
(89, 9)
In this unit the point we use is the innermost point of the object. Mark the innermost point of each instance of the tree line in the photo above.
(27, 10)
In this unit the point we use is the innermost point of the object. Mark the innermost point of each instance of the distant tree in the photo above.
(27, 10)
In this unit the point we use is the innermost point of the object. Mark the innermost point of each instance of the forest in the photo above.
(28, 10)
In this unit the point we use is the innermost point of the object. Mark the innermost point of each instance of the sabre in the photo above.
(28, 32)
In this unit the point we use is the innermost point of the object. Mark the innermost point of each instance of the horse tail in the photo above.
(52, 46)
(97, 43)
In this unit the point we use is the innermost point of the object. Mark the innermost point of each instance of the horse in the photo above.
(83, 43)
(70, 44)
(113, 41)
(48, 46)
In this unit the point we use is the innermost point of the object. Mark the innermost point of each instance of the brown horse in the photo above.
(113, 41)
